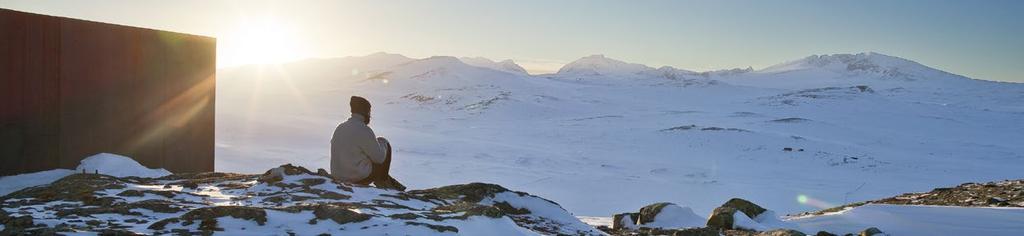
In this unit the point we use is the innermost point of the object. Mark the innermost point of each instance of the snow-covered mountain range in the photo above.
(603, 136)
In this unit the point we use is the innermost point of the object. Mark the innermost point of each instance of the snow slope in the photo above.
(105, 163)
(919, 220)
(604, 136)
(9, 184)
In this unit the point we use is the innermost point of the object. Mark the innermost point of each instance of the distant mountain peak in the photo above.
(598, 64)
(506, 65)
(385, 55)
(882, 65)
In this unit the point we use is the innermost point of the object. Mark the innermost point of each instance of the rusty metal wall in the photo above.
(73, 88)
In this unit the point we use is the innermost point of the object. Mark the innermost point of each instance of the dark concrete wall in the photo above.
(73, 88)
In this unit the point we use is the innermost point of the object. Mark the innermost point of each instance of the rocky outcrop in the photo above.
(1006, 193)
(647, 213)
(284, 200)
(872, 232)
(722, 217)
(625, 221)
(293, 200)
(736, 217)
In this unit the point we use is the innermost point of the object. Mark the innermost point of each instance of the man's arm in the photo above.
(373, 150)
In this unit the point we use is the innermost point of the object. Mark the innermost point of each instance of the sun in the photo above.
(260, 42)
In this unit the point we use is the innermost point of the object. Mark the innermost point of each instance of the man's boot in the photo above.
(389, 183)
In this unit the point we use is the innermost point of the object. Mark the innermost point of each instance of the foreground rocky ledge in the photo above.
(285, 200)
(294, 200)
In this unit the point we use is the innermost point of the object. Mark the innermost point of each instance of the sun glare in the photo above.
(266, 42)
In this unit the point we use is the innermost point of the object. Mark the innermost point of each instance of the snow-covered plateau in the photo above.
(826, 134)
(603, 136)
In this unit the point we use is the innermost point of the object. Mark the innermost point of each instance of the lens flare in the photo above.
(806, 200)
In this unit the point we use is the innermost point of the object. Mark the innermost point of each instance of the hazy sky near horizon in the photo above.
(978, 39)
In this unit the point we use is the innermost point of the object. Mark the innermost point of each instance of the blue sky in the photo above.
(979, 39)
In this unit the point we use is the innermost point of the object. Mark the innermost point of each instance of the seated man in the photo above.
(357, 155)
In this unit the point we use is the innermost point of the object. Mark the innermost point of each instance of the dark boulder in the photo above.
(823, 233)
(339, 214)
(472, 192)
(748, 208)
(782, 232)
(619, 221)
(648, 212)
(871, 232)
(721, 218)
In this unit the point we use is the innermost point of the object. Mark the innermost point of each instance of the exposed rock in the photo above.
(131, 193)
(438, 228)
(679, 232)
(749, 208)
(272, 176)
(405, 216)
(118, 232)
(312, 182)
(871, 232)
(472, 192)
(647, 213)
(1006, 193)
(207, 217)
(19, 222)
(625, 220)
(467, 209)
(782, 232)
(695, 127)
(721, 218)
(340, 215)
(203, 198)
(790, 120)
(823, 233)
(76, 187)
(511, 210)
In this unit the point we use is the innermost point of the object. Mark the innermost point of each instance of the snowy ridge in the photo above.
(861, 66)
(506, 65)
(595, 65)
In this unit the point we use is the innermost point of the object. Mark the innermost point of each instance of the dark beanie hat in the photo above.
(359, 105)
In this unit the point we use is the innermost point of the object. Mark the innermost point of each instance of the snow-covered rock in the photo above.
(669, 216)
(287, 200)
(738, 213)
(117, 165)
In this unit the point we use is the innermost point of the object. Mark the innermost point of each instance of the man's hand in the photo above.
(384, 142)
